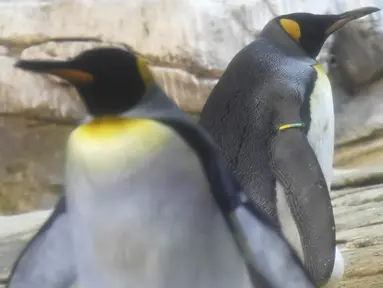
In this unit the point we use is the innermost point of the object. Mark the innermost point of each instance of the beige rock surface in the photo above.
(357, 177)
(358, 214)
(198, 38)
(31, 164)
(188, 52)
(359, 123)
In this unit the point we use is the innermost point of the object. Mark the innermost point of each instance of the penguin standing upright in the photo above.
(149, 200)
(272, 115)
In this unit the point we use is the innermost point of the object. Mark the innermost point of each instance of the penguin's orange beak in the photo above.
(62, 69)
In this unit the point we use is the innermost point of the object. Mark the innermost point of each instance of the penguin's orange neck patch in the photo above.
(291, 27)
(319, 68)
(109, 127)
(322, 76)
(108, 142)
(112, 128)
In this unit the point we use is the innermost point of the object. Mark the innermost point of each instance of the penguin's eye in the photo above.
(332, 60)
(291, 27)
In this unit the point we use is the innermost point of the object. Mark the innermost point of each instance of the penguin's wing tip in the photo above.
(339, 266)
(266, 250)
(48, 256)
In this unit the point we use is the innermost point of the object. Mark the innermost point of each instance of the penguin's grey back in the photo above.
(238, 113)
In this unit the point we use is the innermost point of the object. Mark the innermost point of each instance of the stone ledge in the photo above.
(357, 177)
(359, 220)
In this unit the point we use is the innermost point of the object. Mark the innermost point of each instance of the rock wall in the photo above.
(189, 44)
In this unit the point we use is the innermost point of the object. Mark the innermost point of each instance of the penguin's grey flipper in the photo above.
(47, 261)
(296, 167)
(269, 256)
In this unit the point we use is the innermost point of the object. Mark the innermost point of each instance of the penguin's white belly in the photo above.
(151, 223)
(321, 138)
(321, 132)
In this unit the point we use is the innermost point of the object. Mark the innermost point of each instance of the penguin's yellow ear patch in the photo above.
(143, 70)
(291, 27)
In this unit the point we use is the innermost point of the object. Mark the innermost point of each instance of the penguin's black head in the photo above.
(109, 80)
(311, 31)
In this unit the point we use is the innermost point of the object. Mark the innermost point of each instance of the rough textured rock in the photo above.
(192, 47)
(358, 213)
(359, 123)
(187, 52)
(357, 177)
(31, 166)
(359, 219)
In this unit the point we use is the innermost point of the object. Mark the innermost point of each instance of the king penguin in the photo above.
(271, 113)
(149, 201)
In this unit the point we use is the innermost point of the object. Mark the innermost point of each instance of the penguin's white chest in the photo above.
(321, 131)
(142, 211)
(321, 139)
